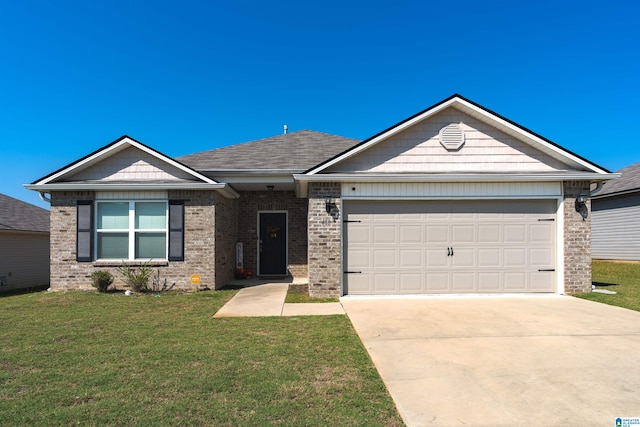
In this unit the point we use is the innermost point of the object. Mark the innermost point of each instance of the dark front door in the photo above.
(272, 243)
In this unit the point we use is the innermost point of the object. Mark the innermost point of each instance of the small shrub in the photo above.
(101, 280)
(137, 279)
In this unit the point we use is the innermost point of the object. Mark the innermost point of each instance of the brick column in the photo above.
(324, 240)
(577, 240)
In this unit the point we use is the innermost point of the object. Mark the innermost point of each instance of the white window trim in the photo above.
(131, 231)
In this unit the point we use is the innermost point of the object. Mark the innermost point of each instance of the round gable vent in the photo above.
(452, 137)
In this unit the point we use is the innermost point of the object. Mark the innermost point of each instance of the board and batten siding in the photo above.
(451, 190)
(615, 227)
(418, 149)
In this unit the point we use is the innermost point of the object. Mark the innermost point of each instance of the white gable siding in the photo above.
(615, 228)
(451, 190)
(131, 164)
(418, 149)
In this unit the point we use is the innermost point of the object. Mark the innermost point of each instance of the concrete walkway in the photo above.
(268, 300)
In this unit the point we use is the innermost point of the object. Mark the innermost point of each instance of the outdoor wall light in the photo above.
(581, 206)
(327, 203)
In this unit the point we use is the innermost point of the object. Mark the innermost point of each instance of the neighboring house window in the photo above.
(131, 230)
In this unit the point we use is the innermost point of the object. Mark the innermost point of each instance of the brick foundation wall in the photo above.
(201, 210)
(577, 240)
(250, 202)
(324, 240)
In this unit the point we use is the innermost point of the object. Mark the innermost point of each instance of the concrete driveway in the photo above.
(491, 361)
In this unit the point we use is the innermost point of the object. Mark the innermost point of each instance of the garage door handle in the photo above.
(547, 269)
(449, 251)
(353, 272)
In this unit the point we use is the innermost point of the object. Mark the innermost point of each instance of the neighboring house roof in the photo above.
(16, 215)
(629, 182)
(294, 151)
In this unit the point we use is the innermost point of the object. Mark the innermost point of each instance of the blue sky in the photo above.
(187, 76)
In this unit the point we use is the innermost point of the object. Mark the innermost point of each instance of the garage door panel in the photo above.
(436, 258)
(489, 281)
(463, 281)
(385, 234)
(385, 283)
(489, 233)
(411, 234)
(385, 258)
(411, 282)
(541, 258)
(463, 258)
(359, 234)
(515, 257)
(543, 281)
(515, 233)
(405, 247)
(489, 257)
(515, 281)
(437, 282)
(411, 258)
(460, 234)
(437, 234)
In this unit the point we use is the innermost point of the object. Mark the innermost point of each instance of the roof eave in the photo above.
(223, 188)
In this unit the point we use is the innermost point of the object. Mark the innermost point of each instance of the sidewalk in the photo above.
(268, 300)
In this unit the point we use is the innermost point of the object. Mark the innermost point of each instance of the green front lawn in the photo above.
(109, 359)
(622, 278)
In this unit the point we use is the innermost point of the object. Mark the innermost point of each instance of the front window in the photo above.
(131, 230)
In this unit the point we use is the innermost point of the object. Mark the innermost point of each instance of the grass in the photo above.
(107, 359)
(620, 277)
(300, 294)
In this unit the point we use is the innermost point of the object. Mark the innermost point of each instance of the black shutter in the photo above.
(84, 231)
(176, 230)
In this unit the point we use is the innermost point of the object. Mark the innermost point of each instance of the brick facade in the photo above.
(205, 212)
(324, 240)
(250, 203)
(577, 240)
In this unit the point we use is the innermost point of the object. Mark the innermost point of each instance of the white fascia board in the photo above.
(223, 188)
(584, 176)
(118, 146)
(383, 136)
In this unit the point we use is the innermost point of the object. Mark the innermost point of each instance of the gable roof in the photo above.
(56, 180)
(629, 182)
(479, 112)
(293, 151)
(16, 215)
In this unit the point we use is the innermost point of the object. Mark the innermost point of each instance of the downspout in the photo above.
(44, 198)
(599, 185)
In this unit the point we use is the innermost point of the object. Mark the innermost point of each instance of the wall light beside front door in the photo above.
(327, 203)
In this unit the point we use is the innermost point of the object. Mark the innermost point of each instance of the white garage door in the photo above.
(439, 247)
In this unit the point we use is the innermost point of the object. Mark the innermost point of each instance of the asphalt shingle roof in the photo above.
(299, 150)
(629, 181)
(16, 215)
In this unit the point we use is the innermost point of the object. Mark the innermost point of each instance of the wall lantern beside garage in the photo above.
(581, 206)
(327, 203)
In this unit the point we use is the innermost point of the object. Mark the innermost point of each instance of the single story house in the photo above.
(454, 199)
(616, 217)
(24, 244)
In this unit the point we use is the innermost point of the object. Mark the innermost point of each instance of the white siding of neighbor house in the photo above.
(451, 189)
(615, 227)
(24, 259)
(131, 164)
(418, 149)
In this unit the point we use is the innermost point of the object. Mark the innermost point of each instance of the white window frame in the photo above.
(131, 231)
